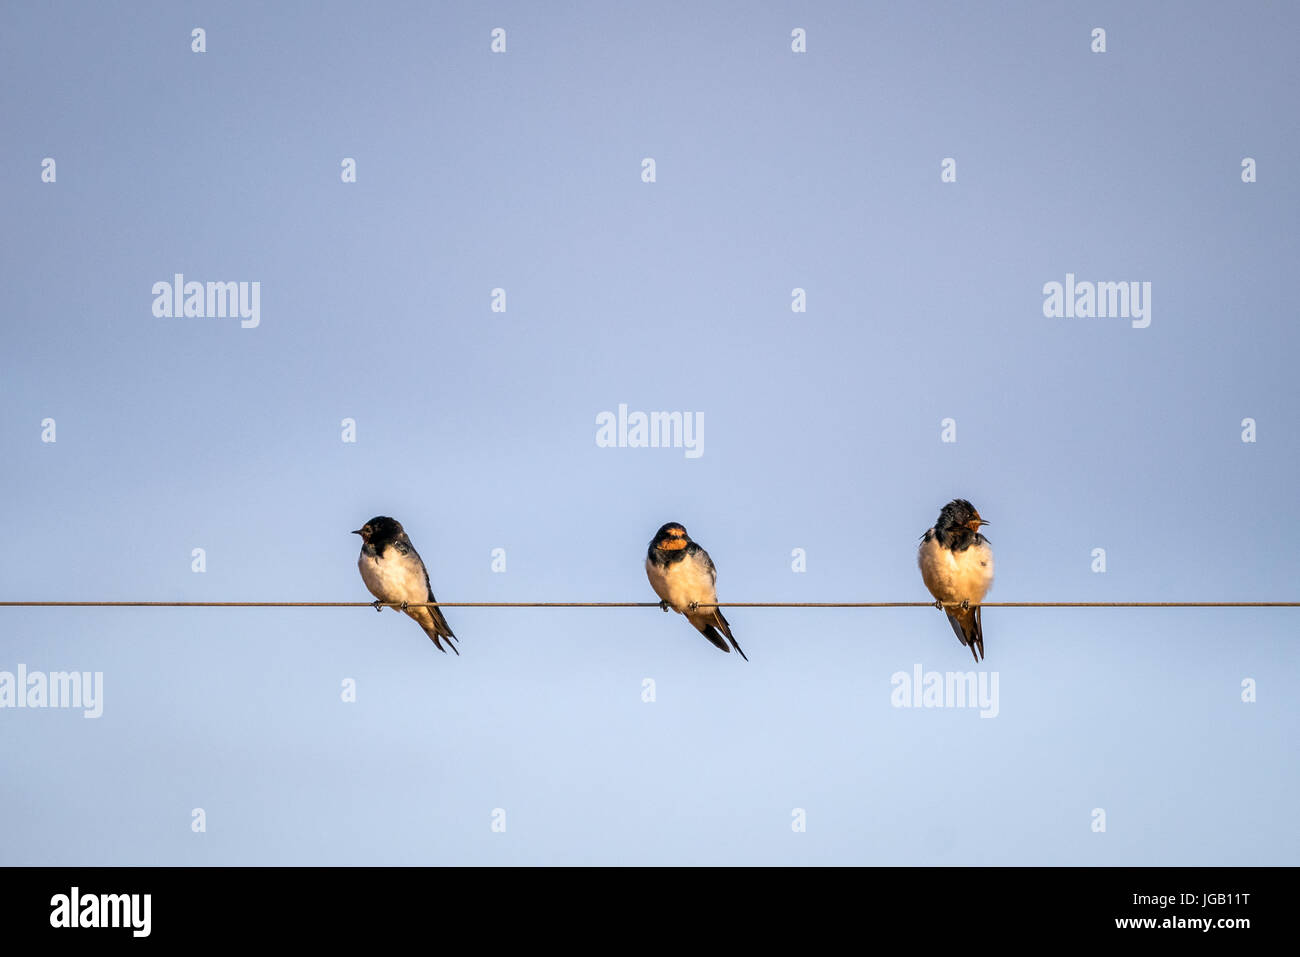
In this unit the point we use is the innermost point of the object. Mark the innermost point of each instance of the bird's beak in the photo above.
(982, 522)
(356, 531)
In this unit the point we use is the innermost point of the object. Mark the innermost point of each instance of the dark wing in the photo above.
(711, 633)
(967, 627)
(694, 549)
(723, 624)
(719, 621)
(439, 621)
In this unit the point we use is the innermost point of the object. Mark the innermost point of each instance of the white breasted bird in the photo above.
(957, 566)
(393, 572)
(684, 577)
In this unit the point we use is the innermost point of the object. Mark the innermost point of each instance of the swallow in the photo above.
(393, 572)
(957, 566)
(684, 577)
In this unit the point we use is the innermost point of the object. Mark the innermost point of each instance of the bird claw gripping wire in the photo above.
(938, 604)
(694, 606)
(663, 606)
(378, 605)
(405, 604)
(965, 604)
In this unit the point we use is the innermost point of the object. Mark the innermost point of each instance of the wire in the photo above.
(644, 604)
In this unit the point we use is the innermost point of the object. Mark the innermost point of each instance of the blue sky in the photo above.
(822, 430)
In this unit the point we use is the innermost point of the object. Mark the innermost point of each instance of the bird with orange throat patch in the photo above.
(957, 566)
(685, 578)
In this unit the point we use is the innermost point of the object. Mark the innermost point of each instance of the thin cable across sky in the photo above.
(644, 604)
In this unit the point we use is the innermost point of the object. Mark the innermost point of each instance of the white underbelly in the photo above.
(956, 576)
(680, 583)
(390, 579)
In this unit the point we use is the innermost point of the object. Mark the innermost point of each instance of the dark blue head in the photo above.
(958, 525)
(381, 531)
(670, 543)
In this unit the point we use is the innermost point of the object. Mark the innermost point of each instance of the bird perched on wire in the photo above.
(957, 566)
(684, 577)
(393, 572)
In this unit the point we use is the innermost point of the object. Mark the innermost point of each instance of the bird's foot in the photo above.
(663, 606)
(938, 604)
(965, 604)
(405, 605)
(694, 606)
(377, 605)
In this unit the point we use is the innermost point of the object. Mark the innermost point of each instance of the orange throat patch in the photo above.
(671, 544)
